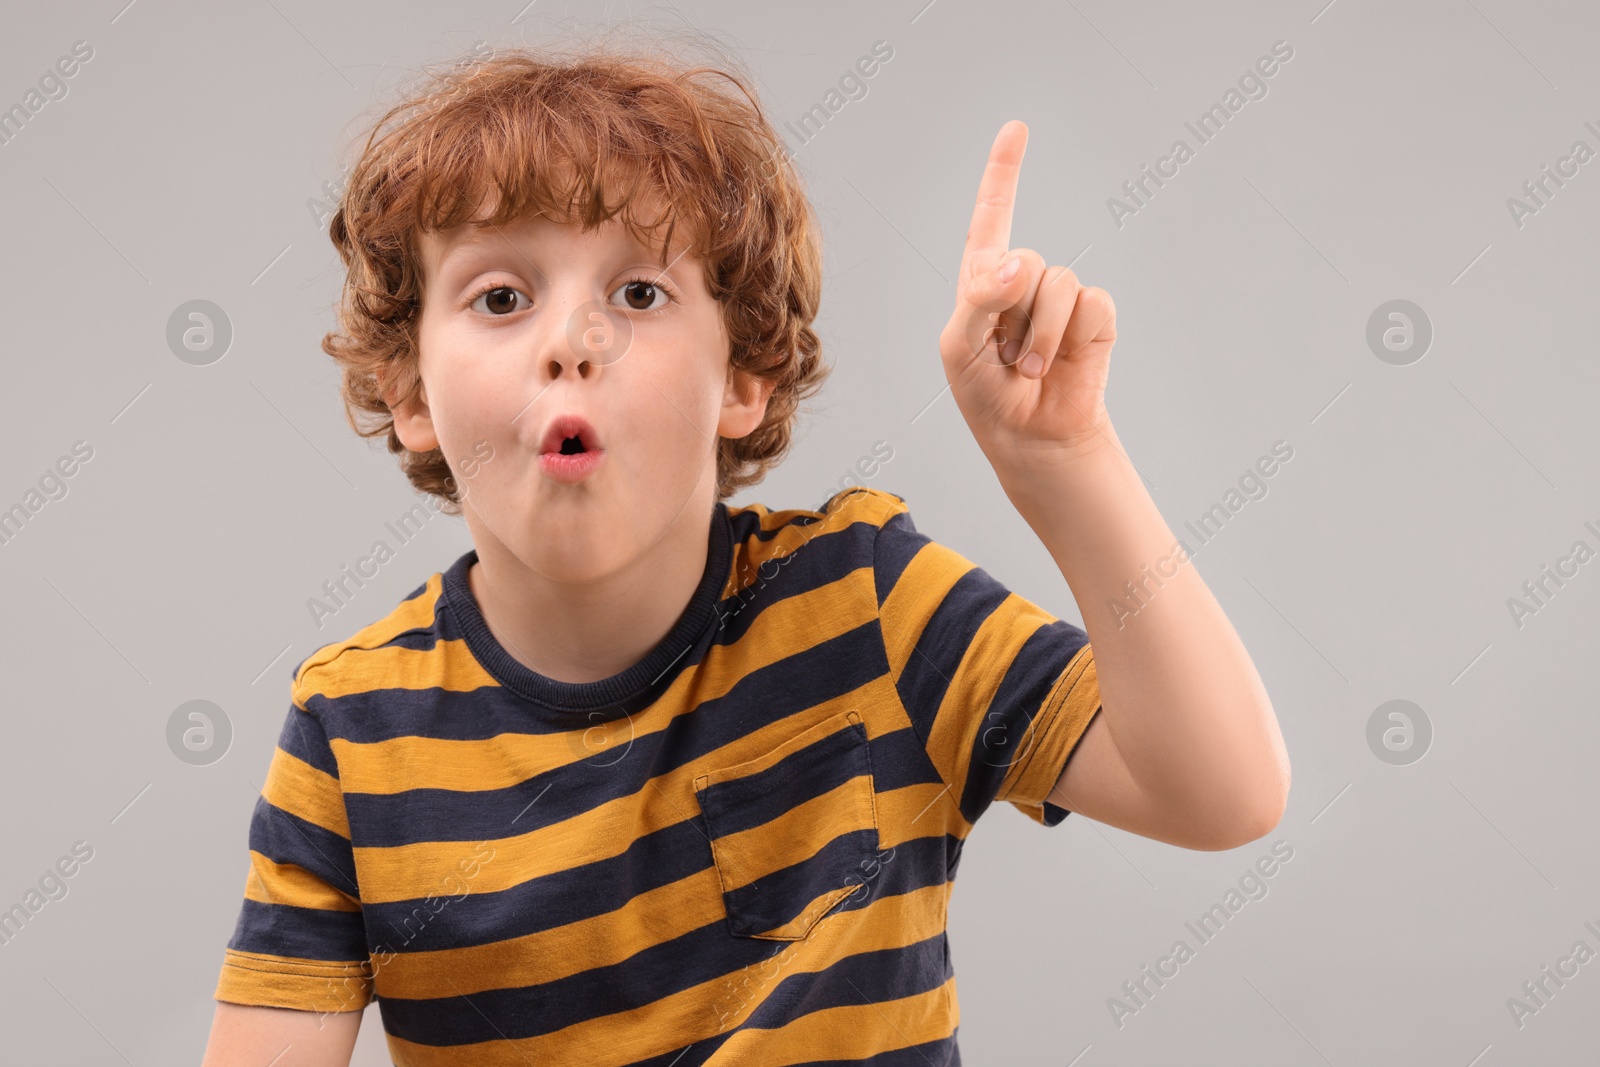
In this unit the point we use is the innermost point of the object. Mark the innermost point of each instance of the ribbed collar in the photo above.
(616, 690)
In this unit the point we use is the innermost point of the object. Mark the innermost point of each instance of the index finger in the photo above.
(989, 234)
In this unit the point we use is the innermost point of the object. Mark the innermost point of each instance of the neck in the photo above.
(585, 631)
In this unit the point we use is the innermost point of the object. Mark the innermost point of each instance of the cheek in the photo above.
(478, 429)
(685, 405)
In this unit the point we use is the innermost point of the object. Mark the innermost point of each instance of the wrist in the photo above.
(1031, 465)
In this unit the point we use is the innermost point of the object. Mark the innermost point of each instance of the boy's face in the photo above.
(513, 336)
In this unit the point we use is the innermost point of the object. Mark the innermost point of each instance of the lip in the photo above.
(578, 465)
(564, 426)
(573, 468)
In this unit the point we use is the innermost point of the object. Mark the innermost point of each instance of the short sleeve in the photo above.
(300, 941)
(999, 690)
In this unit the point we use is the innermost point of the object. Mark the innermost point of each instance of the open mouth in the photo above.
(570, 449)
(569, 435)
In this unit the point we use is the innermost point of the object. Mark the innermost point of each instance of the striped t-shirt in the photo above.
(740, 850)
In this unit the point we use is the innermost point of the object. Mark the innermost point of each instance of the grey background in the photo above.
(1418, 500)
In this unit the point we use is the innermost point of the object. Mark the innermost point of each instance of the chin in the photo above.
(565, 554)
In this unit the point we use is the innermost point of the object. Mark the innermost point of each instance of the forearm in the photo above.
(1179, 693)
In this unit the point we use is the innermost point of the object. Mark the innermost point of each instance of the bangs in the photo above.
(496, 182)
(583, 144)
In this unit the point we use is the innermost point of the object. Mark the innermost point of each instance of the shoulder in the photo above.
(337, 668)
(804, 549)
(848, 520)
(864, 504)
(848, 507)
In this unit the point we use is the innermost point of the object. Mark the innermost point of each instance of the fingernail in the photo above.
(1032, 364)
(1008, 269)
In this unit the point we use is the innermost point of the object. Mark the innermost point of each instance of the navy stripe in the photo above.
(936, 660)
(597, 888)
(798, 991)
(415, 640)
(421, 712)
(659, 971)
(1009, 734)
(286, 838)
(544, 903)
(789, 686)
(939, 1053)
(303, 738)
(897, 541)
(899, 760)
(804, 774)
(855, 980)
(1006, 735)
(308, 933)
(490, 710)
(779, 898)
(822, 559)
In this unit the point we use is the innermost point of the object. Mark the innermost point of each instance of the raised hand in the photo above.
(1027, 354)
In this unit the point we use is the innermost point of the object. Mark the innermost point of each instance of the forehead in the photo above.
(464, 250)
(482, 233)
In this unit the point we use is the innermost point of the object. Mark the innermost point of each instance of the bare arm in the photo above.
(1186, 747)
(248, 1036)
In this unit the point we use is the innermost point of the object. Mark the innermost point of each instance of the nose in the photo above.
(593, 336)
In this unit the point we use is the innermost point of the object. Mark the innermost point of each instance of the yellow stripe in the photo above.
(402, 763)
(405, 872)
(286, 883)
(696, 1013)
(850, 1031)
(777, 755)
(1061, 723)
(964, 712)
(449, 665)
(408, 872)
(916, 596)
(796, 835)
(651, 918)
(913, 811)
(647, 920)
(301, 789)
(792, 539)
(286, 982)
(417, 613)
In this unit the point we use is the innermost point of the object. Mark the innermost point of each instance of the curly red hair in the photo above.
(556, 132)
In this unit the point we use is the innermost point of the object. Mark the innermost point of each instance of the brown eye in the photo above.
(640, 295)
(501, 300)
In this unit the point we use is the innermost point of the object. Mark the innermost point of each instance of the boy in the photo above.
(643, 778)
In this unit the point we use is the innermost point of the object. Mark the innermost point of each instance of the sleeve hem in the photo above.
(1061, 723)
(257, 979)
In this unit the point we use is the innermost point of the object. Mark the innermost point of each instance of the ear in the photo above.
(744, 403)
(413, 422)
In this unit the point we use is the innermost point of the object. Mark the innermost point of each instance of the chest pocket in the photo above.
(792, 830)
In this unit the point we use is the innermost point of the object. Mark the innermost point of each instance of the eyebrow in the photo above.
(479, 235)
